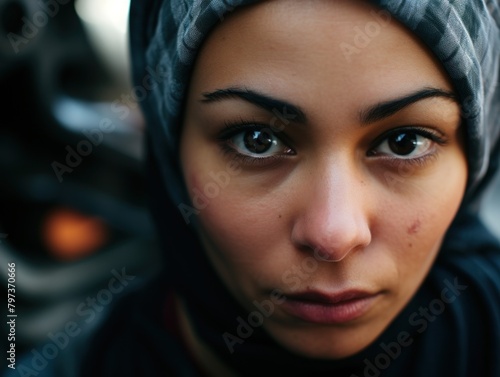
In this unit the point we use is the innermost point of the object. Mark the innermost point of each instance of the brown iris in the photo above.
(403, 143)
(258, 141)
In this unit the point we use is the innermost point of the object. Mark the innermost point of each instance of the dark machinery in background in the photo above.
(73, 208)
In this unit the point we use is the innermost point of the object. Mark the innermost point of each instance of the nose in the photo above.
(333, 216)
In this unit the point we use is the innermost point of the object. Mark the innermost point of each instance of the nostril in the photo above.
(324, 256)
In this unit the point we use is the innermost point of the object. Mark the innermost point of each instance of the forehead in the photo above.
(315, 52)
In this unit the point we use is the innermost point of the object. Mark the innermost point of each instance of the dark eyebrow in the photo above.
(278, 107)
(388, 108)
(284, 109)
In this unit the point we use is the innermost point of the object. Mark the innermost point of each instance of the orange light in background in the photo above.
(70, 235)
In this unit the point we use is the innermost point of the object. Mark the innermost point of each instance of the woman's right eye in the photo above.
(256, 142)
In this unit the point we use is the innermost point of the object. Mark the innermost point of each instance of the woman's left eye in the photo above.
(405, 144)
(258, 143)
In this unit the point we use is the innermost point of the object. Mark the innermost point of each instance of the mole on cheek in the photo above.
(414, 228)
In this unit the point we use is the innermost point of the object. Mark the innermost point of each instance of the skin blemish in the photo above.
(414, 228)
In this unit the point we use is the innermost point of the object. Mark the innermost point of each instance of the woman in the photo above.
(316, 170)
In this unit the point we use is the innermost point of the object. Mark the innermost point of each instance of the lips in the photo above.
(324, 308)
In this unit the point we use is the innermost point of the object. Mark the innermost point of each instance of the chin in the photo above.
(322, 342)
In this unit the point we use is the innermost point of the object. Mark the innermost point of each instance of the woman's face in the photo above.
(322, 148)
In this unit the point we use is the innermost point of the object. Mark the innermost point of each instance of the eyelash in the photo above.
(431, 134)
(234, 128)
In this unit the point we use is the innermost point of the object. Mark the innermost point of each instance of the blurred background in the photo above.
(73, 204)
(73, 210)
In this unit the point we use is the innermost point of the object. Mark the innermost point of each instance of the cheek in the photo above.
(418, 231)
(242, 229)
(241, 225)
